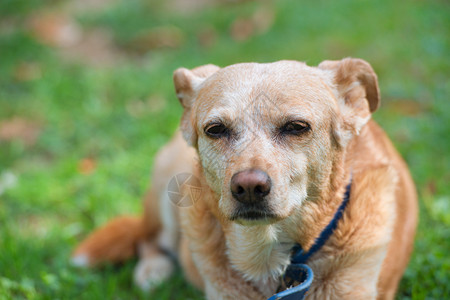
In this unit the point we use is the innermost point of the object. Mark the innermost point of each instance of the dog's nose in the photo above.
(250, 186)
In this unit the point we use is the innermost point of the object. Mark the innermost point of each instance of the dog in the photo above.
(277, 152)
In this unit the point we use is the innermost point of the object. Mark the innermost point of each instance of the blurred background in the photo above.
(86, 99)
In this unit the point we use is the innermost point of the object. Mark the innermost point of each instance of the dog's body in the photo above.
(274, 146)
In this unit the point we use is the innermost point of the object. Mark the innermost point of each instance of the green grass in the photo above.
(114, 116)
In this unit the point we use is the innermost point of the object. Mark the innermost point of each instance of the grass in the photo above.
(99, 126)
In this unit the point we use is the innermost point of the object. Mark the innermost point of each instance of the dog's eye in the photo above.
(216, 130)
(295, 127)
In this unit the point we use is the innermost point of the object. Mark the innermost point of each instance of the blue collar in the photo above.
(299, 276)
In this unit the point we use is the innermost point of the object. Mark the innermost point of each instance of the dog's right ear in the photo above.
(187, 84)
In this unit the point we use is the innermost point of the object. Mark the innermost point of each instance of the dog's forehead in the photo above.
(288, 84)
(252, 75)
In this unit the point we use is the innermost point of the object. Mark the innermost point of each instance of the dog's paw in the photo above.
(152, 271)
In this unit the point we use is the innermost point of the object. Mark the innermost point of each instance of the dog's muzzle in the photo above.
(250, 189)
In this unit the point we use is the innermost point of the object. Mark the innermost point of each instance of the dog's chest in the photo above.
(260, 253)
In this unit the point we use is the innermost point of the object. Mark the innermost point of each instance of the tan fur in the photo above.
(244, 259)
(102, 244)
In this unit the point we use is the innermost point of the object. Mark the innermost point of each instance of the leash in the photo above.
(299, 276)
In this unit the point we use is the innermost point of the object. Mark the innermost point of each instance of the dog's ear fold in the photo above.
(187, 84)
(357, 87)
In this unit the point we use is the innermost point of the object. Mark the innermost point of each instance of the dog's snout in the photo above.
(250, 186)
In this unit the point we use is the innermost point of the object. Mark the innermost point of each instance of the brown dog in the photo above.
(273, 147)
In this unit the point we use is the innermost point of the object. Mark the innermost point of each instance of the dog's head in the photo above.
(267, 135)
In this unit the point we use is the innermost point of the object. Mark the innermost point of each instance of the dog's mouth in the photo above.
(252, 215)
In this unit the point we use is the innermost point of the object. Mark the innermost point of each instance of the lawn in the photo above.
(86, 99)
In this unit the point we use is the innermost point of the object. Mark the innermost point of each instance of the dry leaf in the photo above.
(95, 48)
(263, 19)
(55, 29)
(92, 47)
(242, 29)
(86, 166)
(431, 188)
(19, 129)
(259, 23)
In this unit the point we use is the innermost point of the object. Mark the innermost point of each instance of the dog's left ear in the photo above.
(187, 85)
(357, 88)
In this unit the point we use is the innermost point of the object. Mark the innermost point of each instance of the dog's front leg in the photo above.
(155, 262)
(352, 264)
(348, 276)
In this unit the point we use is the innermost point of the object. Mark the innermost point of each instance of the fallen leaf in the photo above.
(19, 129)
(86, 166)
(263, 19)
(55, 29)
(258, 23)
(242, 29)
(95, 48)
(431, 187)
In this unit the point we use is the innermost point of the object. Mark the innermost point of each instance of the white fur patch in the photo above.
(261, 253)
(152, 271)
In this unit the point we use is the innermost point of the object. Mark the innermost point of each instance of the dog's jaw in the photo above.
(260, 253)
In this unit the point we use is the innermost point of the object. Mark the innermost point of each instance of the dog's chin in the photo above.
(254, 217)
